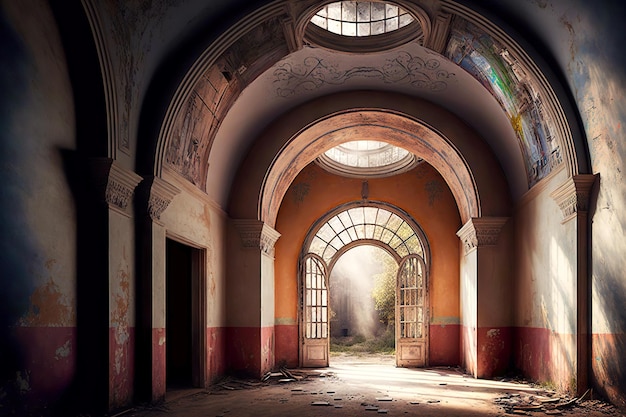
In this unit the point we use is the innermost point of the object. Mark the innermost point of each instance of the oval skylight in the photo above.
(361, 18)
(367, 158)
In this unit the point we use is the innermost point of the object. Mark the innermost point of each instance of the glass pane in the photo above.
(391, 10)
(345, 218)
(404, 231)
(405, 19)
(402, 251)
(336, 224)
(345, 237)
(394, 222)
(328, 254)
(334, 11)
(326, 233)
(383, 217)
(386, 236)
(378, 11)
(377, 28)
(356, 215)
(370, 214)
(317, 246)
(334, 26)
(349, 11)
(378, 232)
(391, 24)
(323, 12)
(413, 245)
(395, 242)
(352, 232)
(369, 231)
(363, 12)
(319, 21)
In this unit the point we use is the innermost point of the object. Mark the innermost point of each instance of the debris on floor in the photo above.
(550, 403)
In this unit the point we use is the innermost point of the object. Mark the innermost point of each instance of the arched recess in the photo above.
(345, 227)
(365, 123)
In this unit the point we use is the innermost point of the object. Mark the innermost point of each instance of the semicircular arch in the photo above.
(393, 127)
(366, 223)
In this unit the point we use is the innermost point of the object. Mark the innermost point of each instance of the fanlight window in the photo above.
(361, 18)
(365, 223)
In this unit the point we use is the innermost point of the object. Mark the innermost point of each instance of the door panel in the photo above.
(314, 329)
(412, 313)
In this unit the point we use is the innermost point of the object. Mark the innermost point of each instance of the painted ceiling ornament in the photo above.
(315, 72)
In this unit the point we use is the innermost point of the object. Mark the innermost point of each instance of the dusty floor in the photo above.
(367, 386)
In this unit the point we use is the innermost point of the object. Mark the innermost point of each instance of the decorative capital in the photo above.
(117, 184)
(481, 231)
(573, 195)
(256, 234)
(160, 196)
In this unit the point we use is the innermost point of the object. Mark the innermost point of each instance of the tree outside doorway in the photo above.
(362, 301)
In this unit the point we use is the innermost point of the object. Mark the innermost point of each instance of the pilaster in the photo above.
(574, 198)
(485, 306)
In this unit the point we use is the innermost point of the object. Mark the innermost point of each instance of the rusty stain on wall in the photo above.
(49, 307)
(434, 190)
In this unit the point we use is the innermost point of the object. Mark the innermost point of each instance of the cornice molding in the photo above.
(256, 234)
(481, 231)
(573, 195)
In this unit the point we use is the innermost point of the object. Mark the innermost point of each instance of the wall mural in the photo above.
(315, 72)
(505, 78)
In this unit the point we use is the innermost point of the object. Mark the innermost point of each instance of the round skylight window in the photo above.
(362, 26)
(367, 158)
(361, 18)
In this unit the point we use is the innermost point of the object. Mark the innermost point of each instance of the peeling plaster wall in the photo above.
(545, 303)
(422, 193)
(37, 218)
(586, 40)
(121, 311)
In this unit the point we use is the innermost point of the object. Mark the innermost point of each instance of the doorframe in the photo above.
(199, 369)
(329, 267)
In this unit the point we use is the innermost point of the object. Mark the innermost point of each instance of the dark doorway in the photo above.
(179, 315)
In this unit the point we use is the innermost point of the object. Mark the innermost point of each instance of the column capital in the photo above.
(115, 184)
(256, 234)
(160, 195)
(573, 195)
(481, 231)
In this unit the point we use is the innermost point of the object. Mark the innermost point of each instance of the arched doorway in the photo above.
(348, 226)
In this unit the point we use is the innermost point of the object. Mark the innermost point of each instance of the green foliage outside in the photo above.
(384, 292)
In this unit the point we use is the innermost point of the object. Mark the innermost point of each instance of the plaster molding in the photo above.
(256, 234)
(573, 195)
(481, 231)
(441, 28)
(117, 185)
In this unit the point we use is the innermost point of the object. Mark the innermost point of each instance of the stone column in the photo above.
(573, 198)
(154, 197)
(250, 293)
(485, 292)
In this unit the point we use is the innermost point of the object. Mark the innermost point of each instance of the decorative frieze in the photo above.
(573, 195)
(117, 185)
(481, 231)
(256, 234)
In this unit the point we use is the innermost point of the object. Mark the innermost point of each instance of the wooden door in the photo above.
(315, 346)
(412, 313)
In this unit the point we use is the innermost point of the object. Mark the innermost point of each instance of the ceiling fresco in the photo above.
(505, 78)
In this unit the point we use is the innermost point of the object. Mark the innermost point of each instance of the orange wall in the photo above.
(421, 192)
